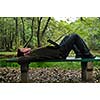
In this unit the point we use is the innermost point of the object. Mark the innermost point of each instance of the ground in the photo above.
(45, 75)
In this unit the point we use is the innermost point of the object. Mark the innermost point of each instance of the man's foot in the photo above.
(85, 56)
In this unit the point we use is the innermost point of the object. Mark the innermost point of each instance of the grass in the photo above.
(63, 65)
(7, 53)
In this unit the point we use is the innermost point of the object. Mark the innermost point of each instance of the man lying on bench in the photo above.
(61, 51)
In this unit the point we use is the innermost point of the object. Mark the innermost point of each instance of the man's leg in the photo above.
(72, 40)
(77, 52)
(85, 51)
(74, 48)
(66, 45)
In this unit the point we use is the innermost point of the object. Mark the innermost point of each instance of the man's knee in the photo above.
(75, 35)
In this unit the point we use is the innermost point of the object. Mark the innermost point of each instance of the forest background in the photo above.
(33, 32)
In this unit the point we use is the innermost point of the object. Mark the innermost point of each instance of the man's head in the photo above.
(23, 51)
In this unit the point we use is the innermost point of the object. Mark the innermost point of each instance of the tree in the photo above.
(34, 32)
(38, 31)
(23, 29)
(31, 33)
(41, 32)
(16, 32)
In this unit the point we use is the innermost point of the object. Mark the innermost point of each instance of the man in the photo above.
(61, 51)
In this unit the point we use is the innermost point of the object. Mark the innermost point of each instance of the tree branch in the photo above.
(46, 26)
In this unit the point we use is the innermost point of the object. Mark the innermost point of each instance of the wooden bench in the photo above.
(86, 66)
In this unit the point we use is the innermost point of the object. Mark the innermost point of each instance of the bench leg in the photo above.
(24, 72)
(83, 72)
(90, 72)
(87, 71)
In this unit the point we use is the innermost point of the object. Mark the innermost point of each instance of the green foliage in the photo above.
(87, 27)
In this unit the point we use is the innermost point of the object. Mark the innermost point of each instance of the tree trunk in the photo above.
(38, 32)
(16, 32)
(31, 33)
(46, 26)
(23, 36)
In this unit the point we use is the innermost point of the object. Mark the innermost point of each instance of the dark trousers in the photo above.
(74, 42)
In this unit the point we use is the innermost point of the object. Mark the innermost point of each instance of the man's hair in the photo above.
(19, 53)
